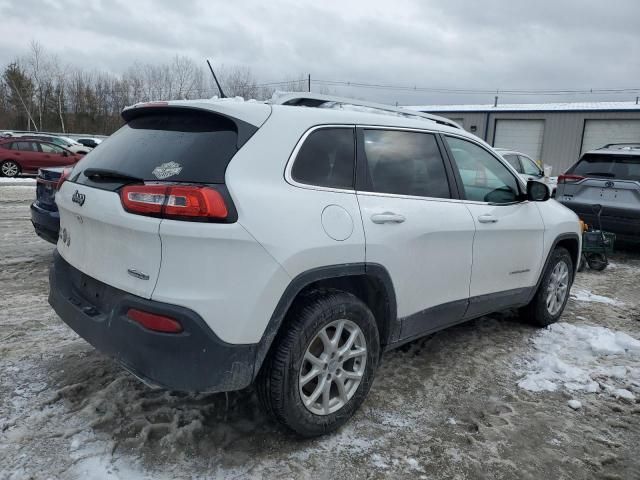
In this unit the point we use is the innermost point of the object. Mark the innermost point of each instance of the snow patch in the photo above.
(587, 296)
(583, 358)
(18, 180)
(575, 404)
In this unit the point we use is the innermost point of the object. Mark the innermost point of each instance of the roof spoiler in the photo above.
(305, 99)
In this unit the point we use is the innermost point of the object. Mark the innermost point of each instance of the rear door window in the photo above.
(327, 158)
(25, 146)
(173, 145)
(623, 167)
(405, 163)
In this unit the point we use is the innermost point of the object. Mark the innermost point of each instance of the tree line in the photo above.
(39, 92)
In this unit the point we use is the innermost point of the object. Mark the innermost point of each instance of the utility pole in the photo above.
(309, 83)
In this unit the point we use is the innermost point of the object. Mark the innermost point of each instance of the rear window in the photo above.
(326, 159)
(178, 146)
(623, 167)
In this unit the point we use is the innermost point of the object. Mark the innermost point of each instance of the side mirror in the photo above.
(65, 153)
(537, 191)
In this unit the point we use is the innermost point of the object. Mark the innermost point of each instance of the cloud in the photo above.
(491, 44)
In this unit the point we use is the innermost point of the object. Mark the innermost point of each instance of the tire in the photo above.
(539, 312)
(279, 385)
(9, 168)
(597, 261)
(583, 263)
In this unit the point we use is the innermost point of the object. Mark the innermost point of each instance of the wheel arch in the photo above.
(371, 283)
(570, 241)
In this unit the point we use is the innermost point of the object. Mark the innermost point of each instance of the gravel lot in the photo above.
(448, 406)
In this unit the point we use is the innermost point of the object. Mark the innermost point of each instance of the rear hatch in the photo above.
(608, 179)
(165, 160)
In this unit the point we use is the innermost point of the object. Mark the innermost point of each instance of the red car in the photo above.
(24, 155)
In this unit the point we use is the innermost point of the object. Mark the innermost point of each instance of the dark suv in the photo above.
(608, 176)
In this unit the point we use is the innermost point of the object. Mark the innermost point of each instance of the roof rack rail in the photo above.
(621, 146)
(305, 99)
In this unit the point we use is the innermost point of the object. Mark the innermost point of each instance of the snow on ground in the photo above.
(446, 406)
(17, 181)
(583, 295)
(585, 358)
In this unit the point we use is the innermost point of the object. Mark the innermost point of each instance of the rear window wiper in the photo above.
(105, 173)
(601, 174)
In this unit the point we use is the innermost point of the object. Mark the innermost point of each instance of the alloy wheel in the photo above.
(558, 288)
(10, 169)
(332, 367)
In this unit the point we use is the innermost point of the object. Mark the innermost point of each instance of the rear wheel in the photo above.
(9, 168)
(322, 367)
(552, 295)
(597, 261)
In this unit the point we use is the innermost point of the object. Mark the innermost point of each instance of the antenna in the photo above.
(222, 95)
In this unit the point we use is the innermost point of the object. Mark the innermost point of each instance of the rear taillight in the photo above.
(569, 178)
(182, 202)
(64, 177)
(152, 321)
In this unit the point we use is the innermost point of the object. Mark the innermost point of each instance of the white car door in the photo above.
(413, 227)
(508, 245)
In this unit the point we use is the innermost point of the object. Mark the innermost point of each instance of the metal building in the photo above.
(555, 133)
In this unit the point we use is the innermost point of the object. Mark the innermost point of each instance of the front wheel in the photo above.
(552, 295)
(9, 168)
(322, 366)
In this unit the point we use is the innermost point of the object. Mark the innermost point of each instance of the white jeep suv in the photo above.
(210, 244)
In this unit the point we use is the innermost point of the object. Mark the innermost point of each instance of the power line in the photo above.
(471, 91)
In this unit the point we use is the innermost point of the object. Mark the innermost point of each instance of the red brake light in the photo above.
(157, 323)
(64, 177)
(569, 178)
(174, 201)
(191, 201)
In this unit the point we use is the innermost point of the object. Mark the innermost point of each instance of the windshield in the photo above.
(623, 167)
(529, 166)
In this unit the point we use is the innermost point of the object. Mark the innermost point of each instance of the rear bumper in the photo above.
(45, 222)
(625, 223)
(194, 360)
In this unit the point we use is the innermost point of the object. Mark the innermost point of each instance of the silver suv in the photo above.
(608, 176)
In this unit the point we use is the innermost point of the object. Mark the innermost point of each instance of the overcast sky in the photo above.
(488, 44)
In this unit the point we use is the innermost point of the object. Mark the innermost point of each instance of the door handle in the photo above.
(387, 217)
(487, 218)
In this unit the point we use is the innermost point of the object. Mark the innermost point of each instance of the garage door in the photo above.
(521, 135)
(598, 133)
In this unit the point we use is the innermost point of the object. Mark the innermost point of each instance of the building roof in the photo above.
(529, 107)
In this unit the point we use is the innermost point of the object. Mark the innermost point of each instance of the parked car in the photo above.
(90, 142)
(44, 212)
(527, 168)
(64, 142)
(27, 155)
(608, 176)
(292, 246)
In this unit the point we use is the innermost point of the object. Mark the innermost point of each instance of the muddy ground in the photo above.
(447, 406)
